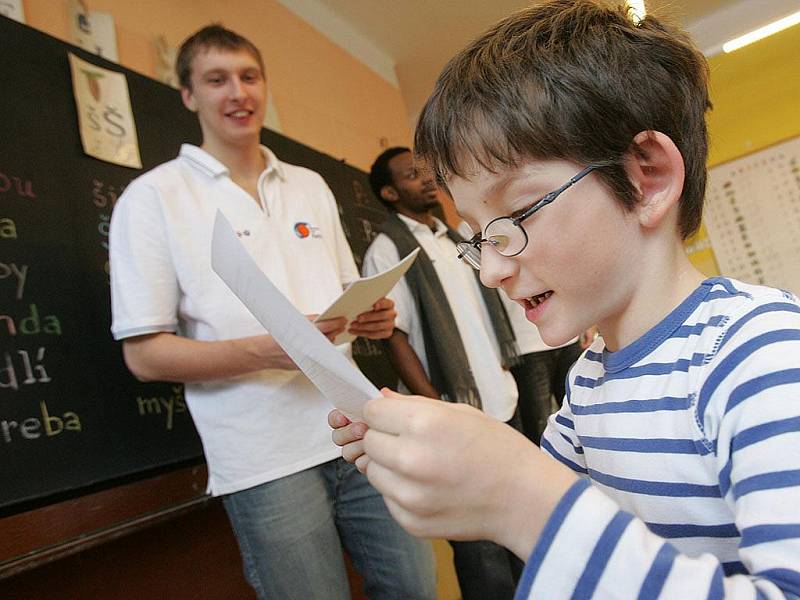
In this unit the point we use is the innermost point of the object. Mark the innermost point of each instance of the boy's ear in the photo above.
(389, 194)
(188, 99)
(655, 167)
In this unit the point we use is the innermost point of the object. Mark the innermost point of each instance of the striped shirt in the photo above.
(689, 443)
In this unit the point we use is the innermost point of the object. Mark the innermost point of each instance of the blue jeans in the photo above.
(291, 531)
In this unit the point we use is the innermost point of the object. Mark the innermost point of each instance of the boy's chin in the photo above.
(557, 338)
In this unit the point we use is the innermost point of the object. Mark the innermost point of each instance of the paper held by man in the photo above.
(328, 369)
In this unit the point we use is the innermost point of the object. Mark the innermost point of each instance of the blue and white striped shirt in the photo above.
(689, 440)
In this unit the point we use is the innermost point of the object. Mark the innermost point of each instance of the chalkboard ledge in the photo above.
(39, 536)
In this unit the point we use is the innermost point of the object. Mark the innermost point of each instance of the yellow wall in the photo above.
(324, 97)
(755, 92)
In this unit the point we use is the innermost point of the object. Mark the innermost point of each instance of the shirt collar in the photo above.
(214, 168)
(416, 226)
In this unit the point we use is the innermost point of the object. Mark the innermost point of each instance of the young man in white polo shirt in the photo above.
(292, 503)
(452, 339)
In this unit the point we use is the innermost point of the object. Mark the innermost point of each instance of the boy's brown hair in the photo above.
(573, 80)
(211, 36)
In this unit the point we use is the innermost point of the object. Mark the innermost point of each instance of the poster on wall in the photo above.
(92, 30)
(165, 62)
(105, 118)
(13, 10)
(753, 216)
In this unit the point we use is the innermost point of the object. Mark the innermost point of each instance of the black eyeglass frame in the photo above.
(477, 241)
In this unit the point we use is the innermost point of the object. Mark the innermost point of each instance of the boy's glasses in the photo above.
(506, 234)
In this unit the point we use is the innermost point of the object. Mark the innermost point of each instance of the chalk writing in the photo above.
(32, 428)
(8, 229)
(34, 373)
(13, 183)
(102, 229)
(368, 230)
(17, 275)
(171, 406)
(32, 324)
(104, 195)
(360, 195)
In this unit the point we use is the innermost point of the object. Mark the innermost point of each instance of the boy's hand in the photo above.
(450, 471)
(349, 436)
(376, 324)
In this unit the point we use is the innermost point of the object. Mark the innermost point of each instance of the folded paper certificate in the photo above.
(361, 294)
(334, 375)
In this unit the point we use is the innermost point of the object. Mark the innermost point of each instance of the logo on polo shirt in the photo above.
(304, 230)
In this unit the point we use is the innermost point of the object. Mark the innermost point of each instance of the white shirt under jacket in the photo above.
(496, 386)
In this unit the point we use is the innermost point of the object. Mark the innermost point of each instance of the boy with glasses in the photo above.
(672, 469)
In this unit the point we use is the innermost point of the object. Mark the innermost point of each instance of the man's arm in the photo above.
(169, 357)
(408, 365)
(381, 255)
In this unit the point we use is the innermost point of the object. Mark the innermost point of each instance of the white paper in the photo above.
(105, 116)
(361, 294)
(334, 375)
(93, 30)
(12, 9)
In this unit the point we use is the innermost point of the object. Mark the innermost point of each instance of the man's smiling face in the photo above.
(229, 94)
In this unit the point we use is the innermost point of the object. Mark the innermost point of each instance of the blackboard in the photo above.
(72, 418)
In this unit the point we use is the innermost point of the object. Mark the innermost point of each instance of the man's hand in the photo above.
(376, 324)
(329, 327)
(275, 358)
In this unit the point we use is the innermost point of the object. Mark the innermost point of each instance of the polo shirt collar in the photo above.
(416, 226)
(273, 164)
(214, 168)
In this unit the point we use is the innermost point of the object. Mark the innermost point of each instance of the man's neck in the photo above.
(426, 218)
(243, 161)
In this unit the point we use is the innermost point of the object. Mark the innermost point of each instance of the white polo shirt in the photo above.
(496, 386)
(264, 425)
